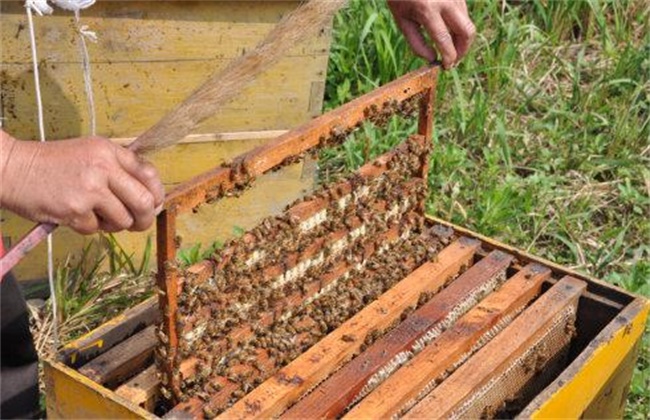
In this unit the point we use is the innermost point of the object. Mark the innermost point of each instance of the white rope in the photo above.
(41, 8)
(85, 33)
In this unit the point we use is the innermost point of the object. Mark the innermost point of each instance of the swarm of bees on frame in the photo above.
(294, 278)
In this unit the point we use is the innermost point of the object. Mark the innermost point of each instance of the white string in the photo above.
(84, 33)
(41, 7)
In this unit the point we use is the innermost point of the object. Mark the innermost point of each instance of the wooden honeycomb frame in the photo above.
(213, 185)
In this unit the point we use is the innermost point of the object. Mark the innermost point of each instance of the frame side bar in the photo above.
(167, 281)
(425, 124)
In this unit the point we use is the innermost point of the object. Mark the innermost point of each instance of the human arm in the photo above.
(89, 184)
(445, 21)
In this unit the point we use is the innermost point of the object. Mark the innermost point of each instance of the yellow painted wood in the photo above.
(149, 57)
(72, 395)
(572, 398)
(131, 97)
(144, 31)
(612, 398)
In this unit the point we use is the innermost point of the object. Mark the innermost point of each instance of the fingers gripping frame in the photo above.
(210, 186)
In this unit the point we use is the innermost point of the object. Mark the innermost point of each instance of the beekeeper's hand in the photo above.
(446, 22)
(89, 184)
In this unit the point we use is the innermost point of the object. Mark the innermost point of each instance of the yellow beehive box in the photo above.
(149, 56)
(592, 382)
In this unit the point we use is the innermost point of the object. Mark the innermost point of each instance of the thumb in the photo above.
(414, 37)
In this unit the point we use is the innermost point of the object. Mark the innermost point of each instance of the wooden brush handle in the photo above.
(26, 244)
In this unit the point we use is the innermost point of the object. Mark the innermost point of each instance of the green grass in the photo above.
(92, 288)
(191, 255)
(542, 132)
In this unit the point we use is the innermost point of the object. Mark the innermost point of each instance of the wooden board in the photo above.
(151, 31)
(124, 92)
(122, 360)
(276, 394)
(367, 370)
(142, 389)
(497, 356)
(72, 395)
(399, 392)
(109, 334)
